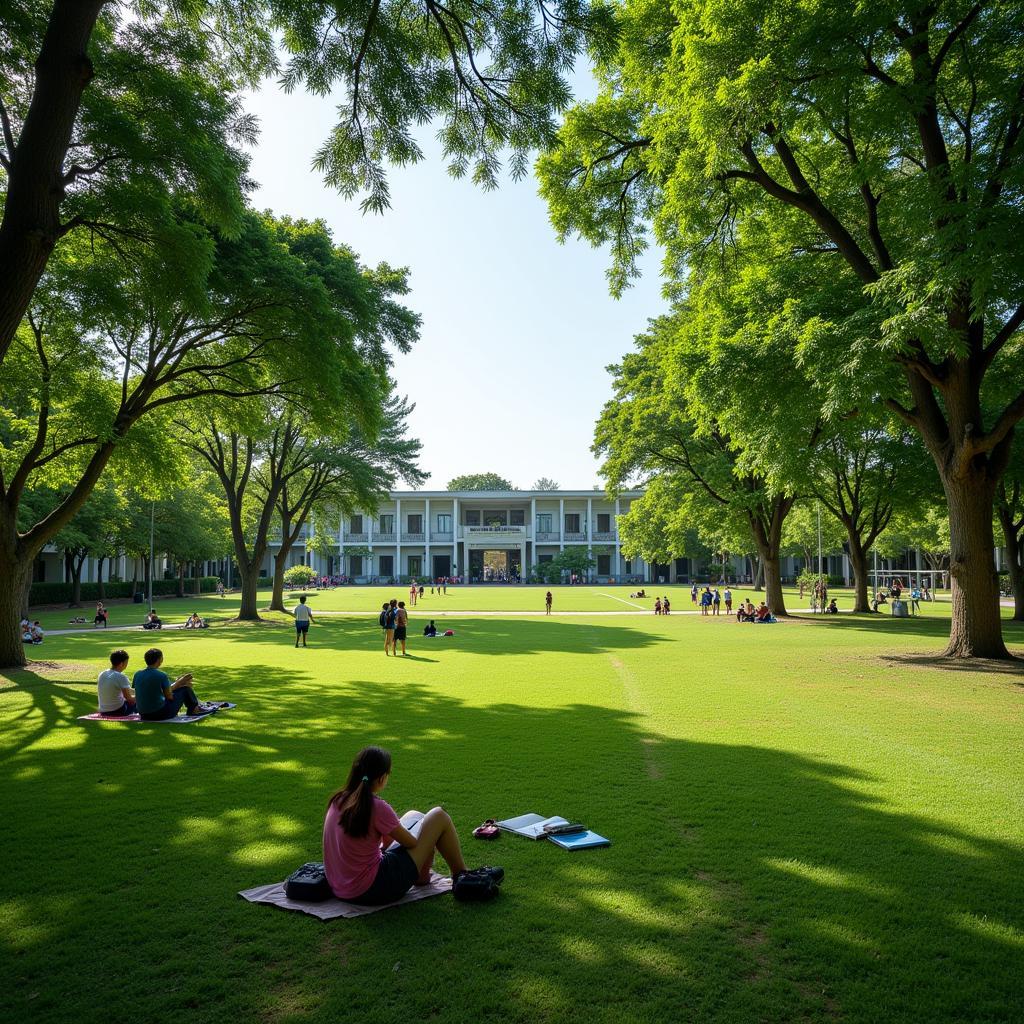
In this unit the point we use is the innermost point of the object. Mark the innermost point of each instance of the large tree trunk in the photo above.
(976, 629)
(16, 576)
(248, 578)
(31, 223)
(76, 581)
(766, 528)
(859, 561)
(100, 591)
(280, 564)
(199, 579)
(758, 575)
(180, 591)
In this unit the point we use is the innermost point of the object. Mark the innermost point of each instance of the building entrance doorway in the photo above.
(500, 566)
(442, 565)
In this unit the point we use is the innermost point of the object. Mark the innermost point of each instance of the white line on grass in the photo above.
(624, 601)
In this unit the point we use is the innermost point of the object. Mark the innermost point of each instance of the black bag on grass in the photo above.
(308, 884)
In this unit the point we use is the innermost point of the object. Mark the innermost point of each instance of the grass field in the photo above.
(367, 601)
(814, 821)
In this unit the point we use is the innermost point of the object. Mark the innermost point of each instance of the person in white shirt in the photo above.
(114, 688)
(303, 617)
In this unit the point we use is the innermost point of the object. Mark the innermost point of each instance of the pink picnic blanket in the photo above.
(177, 720)
(332, 908)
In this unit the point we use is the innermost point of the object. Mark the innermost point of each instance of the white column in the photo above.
(590, 529)
(455, 535)
(427, 567)
(561, 524)
(342, 568)
(398, 537)
(522, 560)
(369, 542)
(618, 552)
(532, 530)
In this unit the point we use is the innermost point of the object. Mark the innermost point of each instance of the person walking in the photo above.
(303, 617)
(547, 603)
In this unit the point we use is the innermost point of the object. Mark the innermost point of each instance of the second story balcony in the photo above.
(357, 538)
(604, 535)
(575, 536)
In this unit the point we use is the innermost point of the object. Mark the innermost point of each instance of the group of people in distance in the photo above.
(746, 612)
(31, 632)
(150, 692)
(710, 601)
(662, 606)
(438, 586)
(394, 620)
(896, 590)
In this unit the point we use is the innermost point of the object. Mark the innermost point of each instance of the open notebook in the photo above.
(531, 826)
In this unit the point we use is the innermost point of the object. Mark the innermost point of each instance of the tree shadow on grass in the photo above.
(743, 883)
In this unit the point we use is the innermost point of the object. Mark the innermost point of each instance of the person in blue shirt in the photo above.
(157, 698)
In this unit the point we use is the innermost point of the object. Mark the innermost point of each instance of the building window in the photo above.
(544, 522)
(545, 558)
(497, 518)
(415, 565)
(604, 565)
(472, 517)
(387, 565)
(604, 523)
(387, 523)
(628, 567)
(517, 517)
(572, 522)
(415, 521)
(444, 522)
(355, 524)
(356, 565)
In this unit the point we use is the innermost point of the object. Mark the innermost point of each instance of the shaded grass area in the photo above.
(804, 826)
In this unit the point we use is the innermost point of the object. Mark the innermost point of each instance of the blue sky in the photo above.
(509, 373)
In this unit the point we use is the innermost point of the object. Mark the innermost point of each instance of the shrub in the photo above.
(60, 593)
(299, 576)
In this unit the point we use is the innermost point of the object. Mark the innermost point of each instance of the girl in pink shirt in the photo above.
(371, 856)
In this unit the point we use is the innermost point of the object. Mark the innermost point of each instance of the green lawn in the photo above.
(812, 821)
(367, 600)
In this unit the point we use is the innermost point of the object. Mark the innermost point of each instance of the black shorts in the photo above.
(396, 873)
(400, 632)
(303, 626)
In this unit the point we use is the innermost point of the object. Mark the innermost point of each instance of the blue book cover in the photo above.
(580, 841)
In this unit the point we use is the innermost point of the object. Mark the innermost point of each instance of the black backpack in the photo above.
(308, 884)
(383, 620)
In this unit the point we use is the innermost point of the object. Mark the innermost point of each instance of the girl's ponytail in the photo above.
(355, 800)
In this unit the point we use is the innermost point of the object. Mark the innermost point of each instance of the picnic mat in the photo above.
(176, 720)
(332, 908)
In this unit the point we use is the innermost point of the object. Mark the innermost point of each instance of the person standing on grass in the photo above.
(114, 688)
(666, 605)
(157, 698)
(371, 856)
(382, 619)
(413, 591)
(716, 602)
(693, 595)
(303, 617)
(657, 606)
(728, 601)
(401, 626)
(547, 603)
(390, 614)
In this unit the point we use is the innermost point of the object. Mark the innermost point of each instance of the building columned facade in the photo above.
(473, 535)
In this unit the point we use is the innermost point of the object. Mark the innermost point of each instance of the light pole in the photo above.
(821, 584)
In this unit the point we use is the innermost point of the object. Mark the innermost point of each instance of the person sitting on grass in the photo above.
(879, 598)
(37, 632)
(195, 622)
(764, 614)
(833, 608)
(114, 689)
(158, 698)
(100, 616)
(430, 629)
(152, 620)
(746, 612)
(361, 862)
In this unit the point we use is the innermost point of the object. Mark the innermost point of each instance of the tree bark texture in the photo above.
(31, 224)
(1012, 546)
(976, 629)
(859, 561)
(17, 575)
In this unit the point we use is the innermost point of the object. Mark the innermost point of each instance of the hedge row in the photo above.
(60, 593)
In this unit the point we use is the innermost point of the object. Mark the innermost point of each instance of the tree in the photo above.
(109, 348)
(571, 561)
(544, 483)
(480, 482)
(1010, 514)
(882, 143)
(106, 105)
(338, 477)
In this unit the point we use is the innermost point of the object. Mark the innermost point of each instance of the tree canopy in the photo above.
(480, 482)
